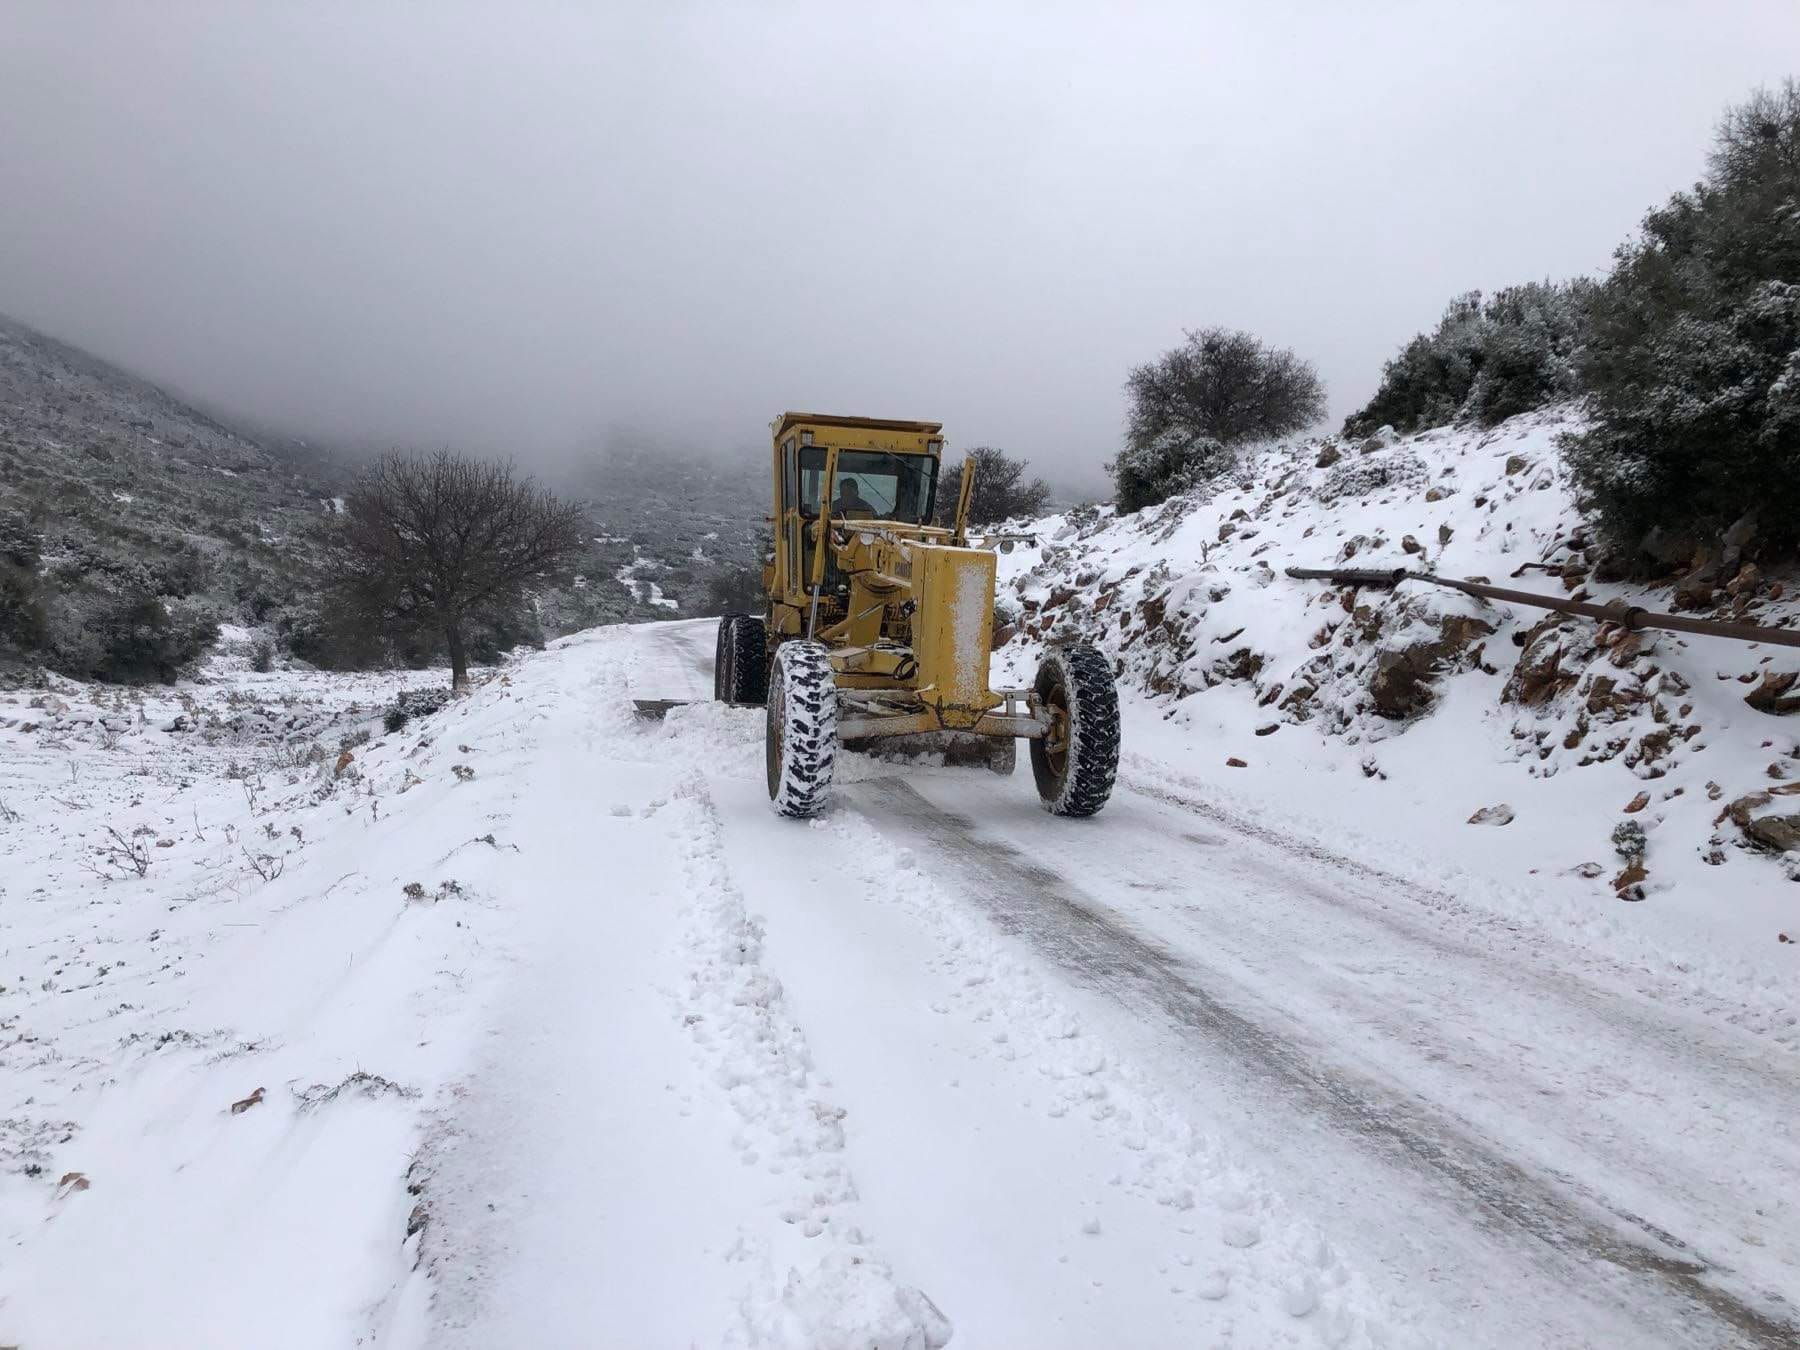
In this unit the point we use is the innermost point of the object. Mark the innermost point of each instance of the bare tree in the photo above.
(435, 539)
(1001, 489)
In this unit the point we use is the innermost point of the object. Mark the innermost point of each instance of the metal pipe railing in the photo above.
(1614, 611)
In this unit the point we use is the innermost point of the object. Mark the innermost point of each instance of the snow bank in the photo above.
(1394, 719)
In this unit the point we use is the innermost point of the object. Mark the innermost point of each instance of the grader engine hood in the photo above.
(952, 631)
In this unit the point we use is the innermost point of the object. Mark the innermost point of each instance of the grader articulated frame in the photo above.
(878, 628)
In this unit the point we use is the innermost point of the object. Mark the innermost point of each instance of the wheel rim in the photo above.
(1056, 739)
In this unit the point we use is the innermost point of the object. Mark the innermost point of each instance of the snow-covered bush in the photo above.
(1531, 337)
(1359, 477)
(24, 622)
(1144, 475)
(140, 638)
(1692, 369)
(1192, 406)
(1486, 360)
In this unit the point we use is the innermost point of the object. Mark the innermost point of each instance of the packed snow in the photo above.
(529, 1023)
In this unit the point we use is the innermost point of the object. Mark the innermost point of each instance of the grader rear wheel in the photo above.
(741, 660)
(1075, 763)
(801, 740)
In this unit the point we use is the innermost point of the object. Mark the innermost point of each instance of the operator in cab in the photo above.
(850, 501)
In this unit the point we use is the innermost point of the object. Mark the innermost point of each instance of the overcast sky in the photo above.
(511, 226)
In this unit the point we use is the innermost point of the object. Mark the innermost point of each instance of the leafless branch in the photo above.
(266, 865)
(126, 856)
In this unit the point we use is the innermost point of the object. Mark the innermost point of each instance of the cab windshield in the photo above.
(870, 485)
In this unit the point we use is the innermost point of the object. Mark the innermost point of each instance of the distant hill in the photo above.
(133, 524)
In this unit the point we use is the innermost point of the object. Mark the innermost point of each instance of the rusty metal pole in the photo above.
(1615, 611)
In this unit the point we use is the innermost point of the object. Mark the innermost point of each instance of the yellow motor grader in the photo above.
(879, 628)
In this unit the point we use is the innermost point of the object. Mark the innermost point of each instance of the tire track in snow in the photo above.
(842, 1293)
(1231, 1236)
(1159, 783)
(1036, 904)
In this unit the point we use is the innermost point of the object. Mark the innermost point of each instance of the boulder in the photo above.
(1776, 693)
(1403, 673)
(1668, 547)
(1744, 583)
(1768, 823)
(1696, 586)
(1779, 834)
(1328, 455)
(1500, 814)
(1739, 537)
(1629, 884)
(1556, 650)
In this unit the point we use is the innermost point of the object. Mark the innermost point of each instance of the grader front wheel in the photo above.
(1076, 762)
(801, 741)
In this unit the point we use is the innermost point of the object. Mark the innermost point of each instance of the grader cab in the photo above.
(878, 628)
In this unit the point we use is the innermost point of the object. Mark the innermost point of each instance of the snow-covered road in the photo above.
(621, 1058)
(1165, 1077)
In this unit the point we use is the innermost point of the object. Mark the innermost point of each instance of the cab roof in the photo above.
(788, 420)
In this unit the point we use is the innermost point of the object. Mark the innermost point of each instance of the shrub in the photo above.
(396, 719)
(335, 637)
(1144, 475)
(1486, 360)
(24, 620)
(739, 588)
(1002, 491)
(262, 657)
(140, 639)
(1692, 371)
(1194, 405)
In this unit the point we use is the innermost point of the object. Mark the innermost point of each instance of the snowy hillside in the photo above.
(1558, 764)
(114, 492)
(531, 1024)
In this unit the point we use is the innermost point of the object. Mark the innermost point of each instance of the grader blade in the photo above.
(655, 709)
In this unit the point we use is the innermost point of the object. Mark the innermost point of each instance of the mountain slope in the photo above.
(118, 497)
